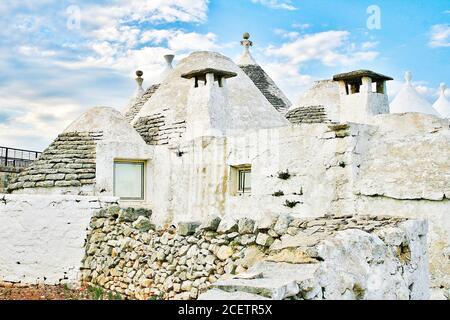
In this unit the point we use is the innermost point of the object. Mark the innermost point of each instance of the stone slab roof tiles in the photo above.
(261, 79)
(155, 130)
(267, 87)
(134, 110)
(359, 74)
(68, 162)
(311, 114)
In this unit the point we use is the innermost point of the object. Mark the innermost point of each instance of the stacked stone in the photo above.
(126, 255)
(266, 86)
(134, 110)
(68, 162)
(312, 114)
(156, 131)
(7, 174)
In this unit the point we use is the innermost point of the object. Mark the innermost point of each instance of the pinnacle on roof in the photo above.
(137, 93)
(246, 57)
(139, 81)
(409, 100)
(442, 105)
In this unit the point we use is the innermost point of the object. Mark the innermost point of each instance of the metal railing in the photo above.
(11, 157)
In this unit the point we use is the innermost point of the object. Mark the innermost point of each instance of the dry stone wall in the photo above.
(68, 162)
(7, 174)
(377, 257)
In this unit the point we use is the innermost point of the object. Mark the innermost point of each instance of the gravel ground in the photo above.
(44, 292)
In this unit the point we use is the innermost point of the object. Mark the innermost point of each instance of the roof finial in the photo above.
(408, 77)
(139, 81)
(246, 58)
(443, 87)
(246, 43)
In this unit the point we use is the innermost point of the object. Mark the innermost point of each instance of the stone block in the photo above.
(246, 226)
(227, 225)
(211, 223)
(143, 224)
(187, 228)
(264, 239)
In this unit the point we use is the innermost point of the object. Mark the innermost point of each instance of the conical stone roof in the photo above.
(68, 165)
(442, 105)
(164, 115)
(261, 79)
(409, 100)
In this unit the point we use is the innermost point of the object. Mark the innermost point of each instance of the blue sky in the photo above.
(58, 58)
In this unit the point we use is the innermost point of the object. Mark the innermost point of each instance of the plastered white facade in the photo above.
(42, 237)
(396, 167)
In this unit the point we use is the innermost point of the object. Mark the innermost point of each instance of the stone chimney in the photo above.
(362, 94)
(207, 107)
(168, 58)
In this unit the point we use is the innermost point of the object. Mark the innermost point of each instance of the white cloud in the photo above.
(33, 51)
(332, 48)
(9, 5)
(34, 120)
(126, 60)
(301, 26)
(98, 60)
(116, 39)
(287, 34)
(277, 4)
(369, 44)
(440, 36)
(146, 11)
(178, 40)
(288, 78)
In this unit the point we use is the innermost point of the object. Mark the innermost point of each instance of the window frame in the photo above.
(234, 181)
(143, 176)
(242, 172)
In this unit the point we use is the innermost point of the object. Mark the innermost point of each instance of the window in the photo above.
(129, 180)
(240, 182)
(245, 181)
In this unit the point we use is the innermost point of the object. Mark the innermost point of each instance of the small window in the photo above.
(240, 181)
(245, 180)
(129, 180)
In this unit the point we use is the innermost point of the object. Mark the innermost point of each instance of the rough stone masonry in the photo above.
(276, 257)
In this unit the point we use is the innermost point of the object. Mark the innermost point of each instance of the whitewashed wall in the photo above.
(397, 166)
(42, 237)
(403, 169)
